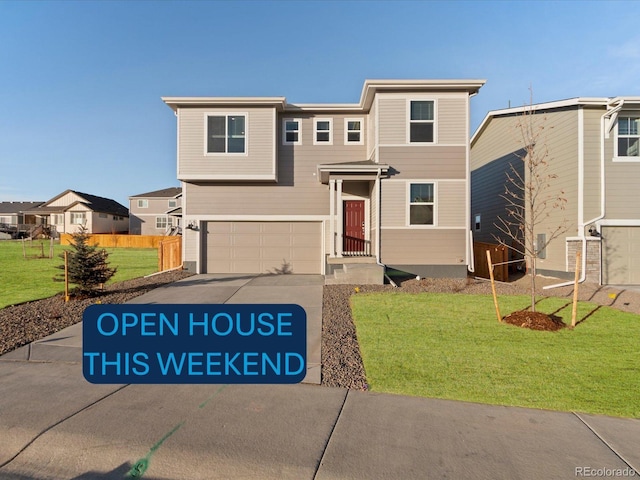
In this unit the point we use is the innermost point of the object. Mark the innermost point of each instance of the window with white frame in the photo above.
(226, 133)
(143, 203)
(57, 219)
(164, 222)
(628, 137)
(353, 131)
(421, 203)
(323, 131)
(421, 121)
(291, 131)
(78, 218)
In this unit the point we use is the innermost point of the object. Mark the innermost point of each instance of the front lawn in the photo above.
(32, 279)
(451, 346)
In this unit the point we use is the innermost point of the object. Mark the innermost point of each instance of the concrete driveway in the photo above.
(56, 425)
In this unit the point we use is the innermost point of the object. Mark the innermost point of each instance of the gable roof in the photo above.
(171, 192)
(17, 207)
(93, 202)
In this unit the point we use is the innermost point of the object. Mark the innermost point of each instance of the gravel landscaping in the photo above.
(341, 362)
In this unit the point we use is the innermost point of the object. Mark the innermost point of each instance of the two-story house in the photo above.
(270, 186)
(593, 151)
(156, 213)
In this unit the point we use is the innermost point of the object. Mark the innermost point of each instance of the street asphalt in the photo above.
(56, 425)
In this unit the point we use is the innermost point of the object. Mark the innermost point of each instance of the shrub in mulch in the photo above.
(534, 321)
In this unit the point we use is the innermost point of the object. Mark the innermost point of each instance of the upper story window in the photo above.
(143, 203)
(173, 203)
(291, 131)
(353, 131)
(421, 203)
(226, 133)
(421, 121)
(323, 131)
(628, 137)
(477, 222)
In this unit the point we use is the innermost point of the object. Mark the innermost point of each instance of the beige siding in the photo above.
(451, 204)
(259, 160)
(393, 121)
(621, 255)
(423, 246)
(394, 204)
(592, 162)
(430, 161)
(452, 121)
(298, 190)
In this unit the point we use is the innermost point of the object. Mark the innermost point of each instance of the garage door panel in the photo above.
(263, 247)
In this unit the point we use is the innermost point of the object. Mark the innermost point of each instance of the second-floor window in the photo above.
(291, 131)
(353, 131)
(421, 121)
(226, 133)
(628, 137)
(173, 203)
(323, 131)
(143, 203)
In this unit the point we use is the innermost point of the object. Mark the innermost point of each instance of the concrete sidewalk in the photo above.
(55, 425)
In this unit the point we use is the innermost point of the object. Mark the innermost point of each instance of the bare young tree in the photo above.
(530, 197)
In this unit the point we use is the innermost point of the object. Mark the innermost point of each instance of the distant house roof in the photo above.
(171, 192)
(93, 202)
(17, 207)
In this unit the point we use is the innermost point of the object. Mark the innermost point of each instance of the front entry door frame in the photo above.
(366, 205)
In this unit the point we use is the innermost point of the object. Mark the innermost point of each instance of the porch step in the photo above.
(357, 274)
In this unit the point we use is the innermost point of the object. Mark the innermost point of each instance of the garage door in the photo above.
(621, 255)
(263, 247)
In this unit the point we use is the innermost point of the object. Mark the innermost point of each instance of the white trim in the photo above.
(255, 218)
(226, 124)
(340, 221)
(418, 98)
(579, 239)
(332, 221)
(619, 223)
(284, 131)
(346, 130)
(423, 144)
(580, 166)
(424, 227)
(204, 176)
(316, 120)
(624, 158)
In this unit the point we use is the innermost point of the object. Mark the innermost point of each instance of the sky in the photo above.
(81, 82)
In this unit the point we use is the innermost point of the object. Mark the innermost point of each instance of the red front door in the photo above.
(353, 211)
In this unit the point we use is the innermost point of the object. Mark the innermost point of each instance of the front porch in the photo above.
(353, 248)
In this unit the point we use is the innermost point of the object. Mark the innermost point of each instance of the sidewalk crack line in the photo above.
(326, 445)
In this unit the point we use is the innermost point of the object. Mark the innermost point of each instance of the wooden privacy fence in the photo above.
(169, 253)
(499, 254)
(124, 241)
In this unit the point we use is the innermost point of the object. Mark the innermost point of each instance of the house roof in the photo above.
(606, 102)
(93, 202)
(171, 192)
(362, 167)
(17, 207)
(370, 88)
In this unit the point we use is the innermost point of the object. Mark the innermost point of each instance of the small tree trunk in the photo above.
(533, 284)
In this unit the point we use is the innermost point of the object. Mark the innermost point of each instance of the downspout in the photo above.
(378, 187)
(470, 260)
(583, 224)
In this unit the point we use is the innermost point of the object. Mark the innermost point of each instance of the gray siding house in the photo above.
(156, 213)
(593, 149)
(270, 186)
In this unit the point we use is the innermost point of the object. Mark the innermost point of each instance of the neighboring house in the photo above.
(156, 213)
(270, 186)
(69, 210)
(593, 149)
(13, 220)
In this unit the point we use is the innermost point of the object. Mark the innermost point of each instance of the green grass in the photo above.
(452, 346)
(31, 279)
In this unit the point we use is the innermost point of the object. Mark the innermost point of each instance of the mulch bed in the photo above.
(534, 321)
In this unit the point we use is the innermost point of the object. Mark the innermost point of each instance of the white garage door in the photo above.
(263, 247)
(621, 255)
